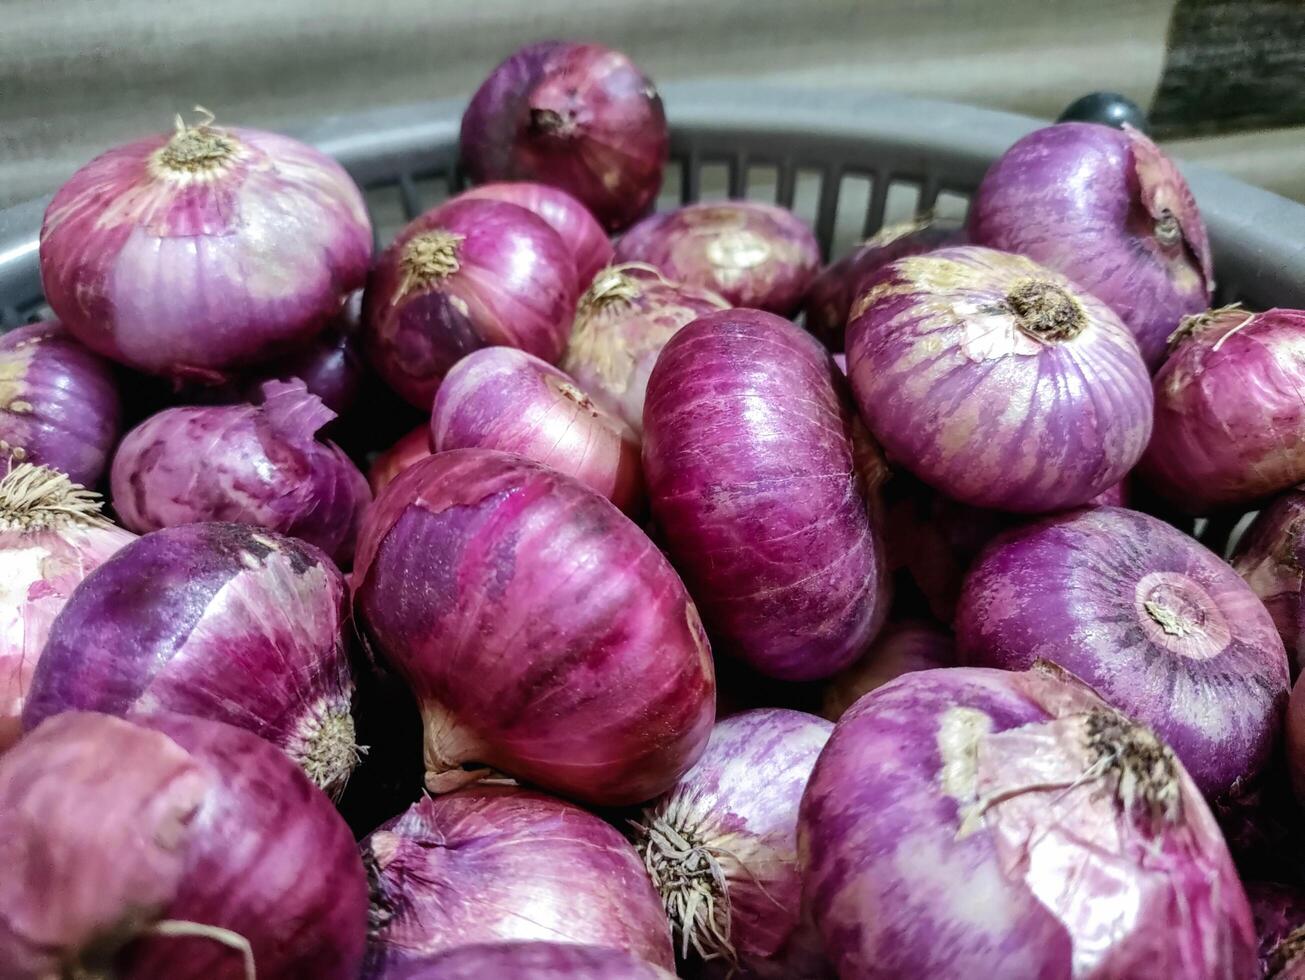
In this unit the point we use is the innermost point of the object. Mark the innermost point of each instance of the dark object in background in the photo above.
(1107, 108)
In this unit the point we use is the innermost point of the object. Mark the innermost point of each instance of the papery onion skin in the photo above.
(221, 621)
(1158, 624)
(756, 255)
(493, 864)
(248, 464)
(466, 275)
(529, 961)
(1271, 558)
(1279, 912)
(505, 399)
(997, 381)
(968, 822)
(757, 473)
(900, 648)
(113, 827)
(138, 243)
(389, 464)
(1108, 209)
(540, 630)
(581, 117)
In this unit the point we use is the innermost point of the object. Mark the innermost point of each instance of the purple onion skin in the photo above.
(389, 464)
(493, 864)
(908, 875)
(134, 251)
(542, 632)
(581, 117)
(111, 827)
(1162, 628)
(1108, 209)
(757, 470)
(1279, 912)
(1270, 557)
(755, 255)
(998, 409)
(247, 464)
(901, 648)
(529, 961)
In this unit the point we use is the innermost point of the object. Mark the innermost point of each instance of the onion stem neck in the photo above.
(1145, 773)
(40, 498)
(1285, 954)
(1045, 310)
(428, 258)
(198, 149)
(1168, 620)
(324, 745)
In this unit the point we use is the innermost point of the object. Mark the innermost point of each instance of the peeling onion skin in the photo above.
(1271, 558)
(900, 648)
(114, 826)
(530, 961)
(1031, 411)
(491, 864)
(1106, 208)
(540, 630)
(389, 464)
(1158, 624)
(891, 821)
(1279, 912)
(758, 471)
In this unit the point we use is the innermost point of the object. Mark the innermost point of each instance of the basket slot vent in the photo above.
(761, 182)
(713, 180)
(827, 209)
(786, 185)
(854, 193)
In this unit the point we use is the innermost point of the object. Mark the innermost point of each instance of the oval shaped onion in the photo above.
(757, 470)
(1271, 558)
(1165, 631)
(753, 254)
(389, 464)
(213, 248)
(997, 381)
(494, 863)
(1108, 209)
(541, 632)
(529, 961)
(1279, 912)
(980, 823)
(901, 648)
(506, 399)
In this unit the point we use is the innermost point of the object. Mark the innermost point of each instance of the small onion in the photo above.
(980, 823)
(220, 621)
(529, 961)
(901, 648)
(502, 398)
(408, 450)
(755, 255)
(581, 117)
(998, 381)
(469, 274)
(1108, 209)
(491, 864)
(1279, 912)
(1165, 631)
(213, 248)
(1271, 558)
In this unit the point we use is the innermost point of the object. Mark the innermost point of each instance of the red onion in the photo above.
(494, 864)
(581, 117)
(1279, 912)
(541, 631)
(979, 823)
(220, 621)
(758, 472)
(466, 275)
(622, 322)
(253, 464)
(1108, 209)
(997, 381)
(753, 254)
(210, 249)
(529, 961)
(901, 648)
(1271, 558)
(408, 450)
(503, 398)
(1166, 632)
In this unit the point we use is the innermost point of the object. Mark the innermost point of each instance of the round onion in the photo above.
(759, 476)
(997, 381)
(503, 398)
(220, 621)
(1271, 558)
(494, 864)
(901, 648)
(581, 117)
(252, 464)
(1106, 208)
(541, 631)
(408, 450)
(469, 274)
(210, 249)
(1279, 912)
(1165, 631)
(755, 255)
(529, 961)
(979, 823)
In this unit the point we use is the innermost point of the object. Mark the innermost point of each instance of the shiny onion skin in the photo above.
(1106, 208)
(997, 381)
(469, 274)
(249, 464)
(900, 648)
(220, 621)
(389, 464)
(759, 475)
(1159, 625)
(203, 251)
(581, 117)
(755, 255)
(970, 823)
(492, 864)
(1279, 912)
(171, 847)
(540, 630)
(1271, 558)
(529, 961)
(505, 399)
